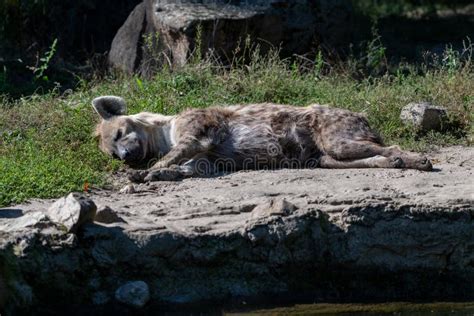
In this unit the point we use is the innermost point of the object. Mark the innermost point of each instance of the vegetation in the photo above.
(46, 143)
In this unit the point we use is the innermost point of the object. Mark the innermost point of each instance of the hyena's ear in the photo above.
(109, 106)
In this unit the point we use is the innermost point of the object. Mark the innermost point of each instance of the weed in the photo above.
(318, 63)
(196, 55)
(43, 63)
(153, 56)
(375, 53)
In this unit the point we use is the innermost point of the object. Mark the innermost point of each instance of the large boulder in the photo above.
(161, 31)
(367, 235)
(72, 211)
(124, 52)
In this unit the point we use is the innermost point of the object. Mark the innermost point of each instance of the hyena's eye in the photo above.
(118, 135)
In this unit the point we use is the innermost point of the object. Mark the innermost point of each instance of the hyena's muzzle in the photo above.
(129, 149)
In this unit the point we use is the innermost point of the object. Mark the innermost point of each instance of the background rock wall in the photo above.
(227, 30)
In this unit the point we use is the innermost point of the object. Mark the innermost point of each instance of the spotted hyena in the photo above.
(200, 142)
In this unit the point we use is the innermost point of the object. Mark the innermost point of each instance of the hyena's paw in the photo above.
(419, 163)
(137, 176)
(396, 162)
(411, 162)
(164, 174)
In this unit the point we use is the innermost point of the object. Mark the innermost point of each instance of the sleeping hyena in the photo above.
(200, 142)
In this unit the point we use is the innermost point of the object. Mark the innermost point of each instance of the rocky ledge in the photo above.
(323, 234)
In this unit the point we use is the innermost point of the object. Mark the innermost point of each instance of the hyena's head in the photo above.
(120, 135)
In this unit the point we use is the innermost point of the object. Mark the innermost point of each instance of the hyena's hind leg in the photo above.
(345, 153)
(348, 140)
(410, 160)
(377, 161)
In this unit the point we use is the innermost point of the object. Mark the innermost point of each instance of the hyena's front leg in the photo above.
(169, 167)
(171, 173)
(184, 150)
(200, 165)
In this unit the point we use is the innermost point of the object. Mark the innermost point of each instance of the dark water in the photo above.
(402, 309)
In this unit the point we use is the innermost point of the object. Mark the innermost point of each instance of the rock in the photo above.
(128, 189)
(134, 293)
(107, 215)
(276, 207)
(424, 116)
(170, 29)
(25, 221)
(72, 211)
(313, 231)
(70, 241)
(125, 48)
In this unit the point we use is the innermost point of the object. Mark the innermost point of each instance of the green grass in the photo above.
(47, 148)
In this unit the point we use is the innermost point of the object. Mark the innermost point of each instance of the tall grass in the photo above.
(46, 143)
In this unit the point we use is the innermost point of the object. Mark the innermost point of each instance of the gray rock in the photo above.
(107, 215)
(69, 241)
(25, 221)
(72, 211)
(125, 48)
(170, 29)
(275, 207)
(424, 116)
(134, 293)
(128, 189)
(315, 231)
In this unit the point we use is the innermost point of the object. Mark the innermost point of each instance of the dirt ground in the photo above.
(215, 203)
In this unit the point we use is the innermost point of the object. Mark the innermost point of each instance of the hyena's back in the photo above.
(272, 131)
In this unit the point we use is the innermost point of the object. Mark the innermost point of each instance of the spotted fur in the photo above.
(199, 142)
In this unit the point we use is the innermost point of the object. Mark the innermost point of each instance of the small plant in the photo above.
(139, 84)
(197, 53)
(240, 55)
(43, 63)
(154, 57)
(318, 64)
(451, 60)
(375, 52)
